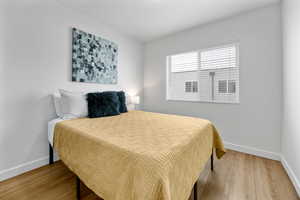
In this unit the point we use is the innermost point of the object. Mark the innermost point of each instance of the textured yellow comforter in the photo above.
(137, 155)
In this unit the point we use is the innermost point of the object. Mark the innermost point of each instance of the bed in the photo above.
(136, 155)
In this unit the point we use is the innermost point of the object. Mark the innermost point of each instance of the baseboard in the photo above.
(25, 167)
(253, 151)
(291, 174)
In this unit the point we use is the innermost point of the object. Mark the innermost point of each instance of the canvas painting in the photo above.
(94, 59)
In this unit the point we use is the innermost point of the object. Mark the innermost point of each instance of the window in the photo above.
(195, 86)
(227, 86)
(231, 86)
(191, 86)
(215, 75)
(223, 86)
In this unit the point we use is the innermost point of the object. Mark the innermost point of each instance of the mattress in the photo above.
(51, 126)
(138, 155)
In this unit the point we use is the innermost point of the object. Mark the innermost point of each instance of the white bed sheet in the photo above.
(51, 126)
(52, 123)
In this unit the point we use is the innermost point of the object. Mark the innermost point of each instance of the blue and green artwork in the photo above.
(94, 59)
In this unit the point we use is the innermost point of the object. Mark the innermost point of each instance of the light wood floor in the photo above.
(236, 177)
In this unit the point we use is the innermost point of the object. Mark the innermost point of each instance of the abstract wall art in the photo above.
(94, 59)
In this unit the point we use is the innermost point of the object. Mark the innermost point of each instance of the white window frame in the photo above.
(168, 72)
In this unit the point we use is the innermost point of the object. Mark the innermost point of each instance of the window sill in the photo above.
(196, 101)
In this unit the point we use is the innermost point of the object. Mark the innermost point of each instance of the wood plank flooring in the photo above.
(237, 176)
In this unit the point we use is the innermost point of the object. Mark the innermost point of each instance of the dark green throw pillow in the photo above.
(122, 99)
(102, 104)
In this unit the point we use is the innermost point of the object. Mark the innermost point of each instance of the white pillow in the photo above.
(73, 104)
(57, 99)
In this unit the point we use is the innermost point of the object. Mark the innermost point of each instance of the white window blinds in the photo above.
(216, 72)
(184, 62)
(219, 58)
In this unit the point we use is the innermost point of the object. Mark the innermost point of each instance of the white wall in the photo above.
(35, 60)
(291, 89)
(255, 122)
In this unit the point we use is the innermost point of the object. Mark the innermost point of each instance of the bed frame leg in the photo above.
(211, 168)
(195, 191)
(50, 154)
(212, 161)
(77, 188)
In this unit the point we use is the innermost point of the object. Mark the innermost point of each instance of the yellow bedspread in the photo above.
(138, 155)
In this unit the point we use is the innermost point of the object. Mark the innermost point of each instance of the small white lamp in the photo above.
(135, 100)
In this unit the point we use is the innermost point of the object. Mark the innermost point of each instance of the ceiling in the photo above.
(148, 20)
